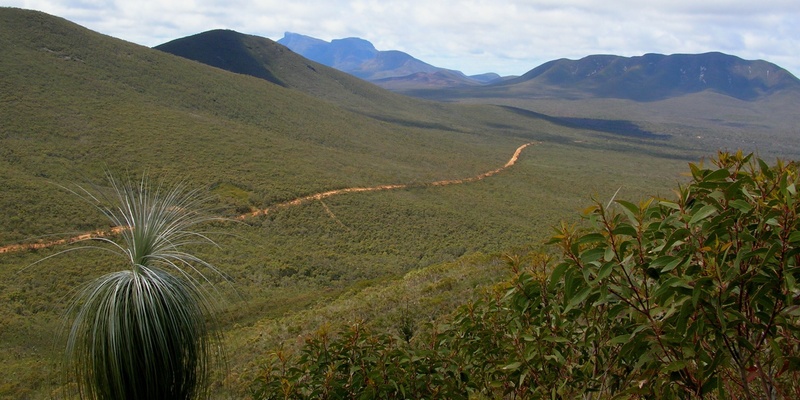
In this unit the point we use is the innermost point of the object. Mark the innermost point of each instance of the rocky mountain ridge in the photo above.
(389, 69)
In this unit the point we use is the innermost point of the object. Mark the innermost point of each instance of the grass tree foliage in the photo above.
(143, 332)
(694, 297)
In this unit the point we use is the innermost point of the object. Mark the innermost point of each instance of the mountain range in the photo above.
(657, 76)
(721, 98)
(711, 100)
(643, 78)
(388, 69)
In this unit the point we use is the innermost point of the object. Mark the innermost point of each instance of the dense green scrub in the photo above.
(693, 296)
(76, 104)
(297, 258)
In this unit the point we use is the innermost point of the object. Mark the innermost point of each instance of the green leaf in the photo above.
(591, 238)
(791, 283)
(794, 237)
(675, 366)
(577, 299)
(605, 270)
(557, 274)
(513, 366)
(625, 229)
(630, 210)
(672, 265)
(683, 318)
(677, 281)
(667, 289)
(669, 204)
(771, 253)
(702, 214)
(592, 254)
(741, 205)
(719, 175)
(609, 254)
(621, 339)
(695, 170)
(697, 292)
(662, 261)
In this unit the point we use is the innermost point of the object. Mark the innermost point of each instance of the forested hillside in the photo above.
(77, 104)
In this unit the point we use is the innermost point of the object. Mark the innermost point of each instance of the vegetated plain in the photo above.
(766, 122)
(76, 103)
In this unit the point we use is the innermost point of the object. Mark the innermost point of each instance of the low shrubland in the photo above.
(688, 297)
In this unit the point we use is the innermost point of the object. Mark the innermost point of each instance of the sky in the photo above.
(472, 36)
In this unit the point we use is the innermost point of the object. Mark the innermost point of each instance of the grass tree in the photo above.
(143, 332)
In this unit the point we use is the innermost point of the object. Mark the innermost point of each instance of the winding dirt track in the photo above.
(291, 203)
(323, 195)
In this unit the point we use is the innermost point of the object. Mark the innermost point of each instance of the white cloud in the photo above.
(509, 37)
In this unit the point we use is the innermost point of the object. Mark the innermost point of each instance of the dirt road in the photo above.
(291, 203)
(323, 195)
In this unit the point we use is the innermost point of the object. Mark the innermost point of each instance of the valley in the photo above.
(341, 201)
(296, 202)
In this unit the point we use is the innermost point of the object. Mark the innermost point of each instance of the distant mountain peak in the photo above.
(300, 43)
(354, 43)
(360, 58)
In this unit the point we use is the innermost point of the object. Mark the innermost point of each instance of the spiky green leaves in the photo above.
(155, 223)
(142, 333)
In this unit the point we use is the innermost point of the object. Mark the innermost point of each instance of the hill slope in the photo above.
(707, 118)
(711, 100)
(226, 50)
(263, 58)
(75, 102)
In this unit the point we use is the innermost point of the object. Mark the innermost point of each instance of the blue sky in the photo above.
(474, 36)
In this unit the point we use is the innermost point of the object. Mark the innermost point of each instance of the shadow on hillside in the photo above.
(613, 126)
(414, 124)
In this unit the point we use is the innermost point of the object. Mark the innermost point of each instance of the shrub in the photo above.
(695, 297)
(357, 363)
